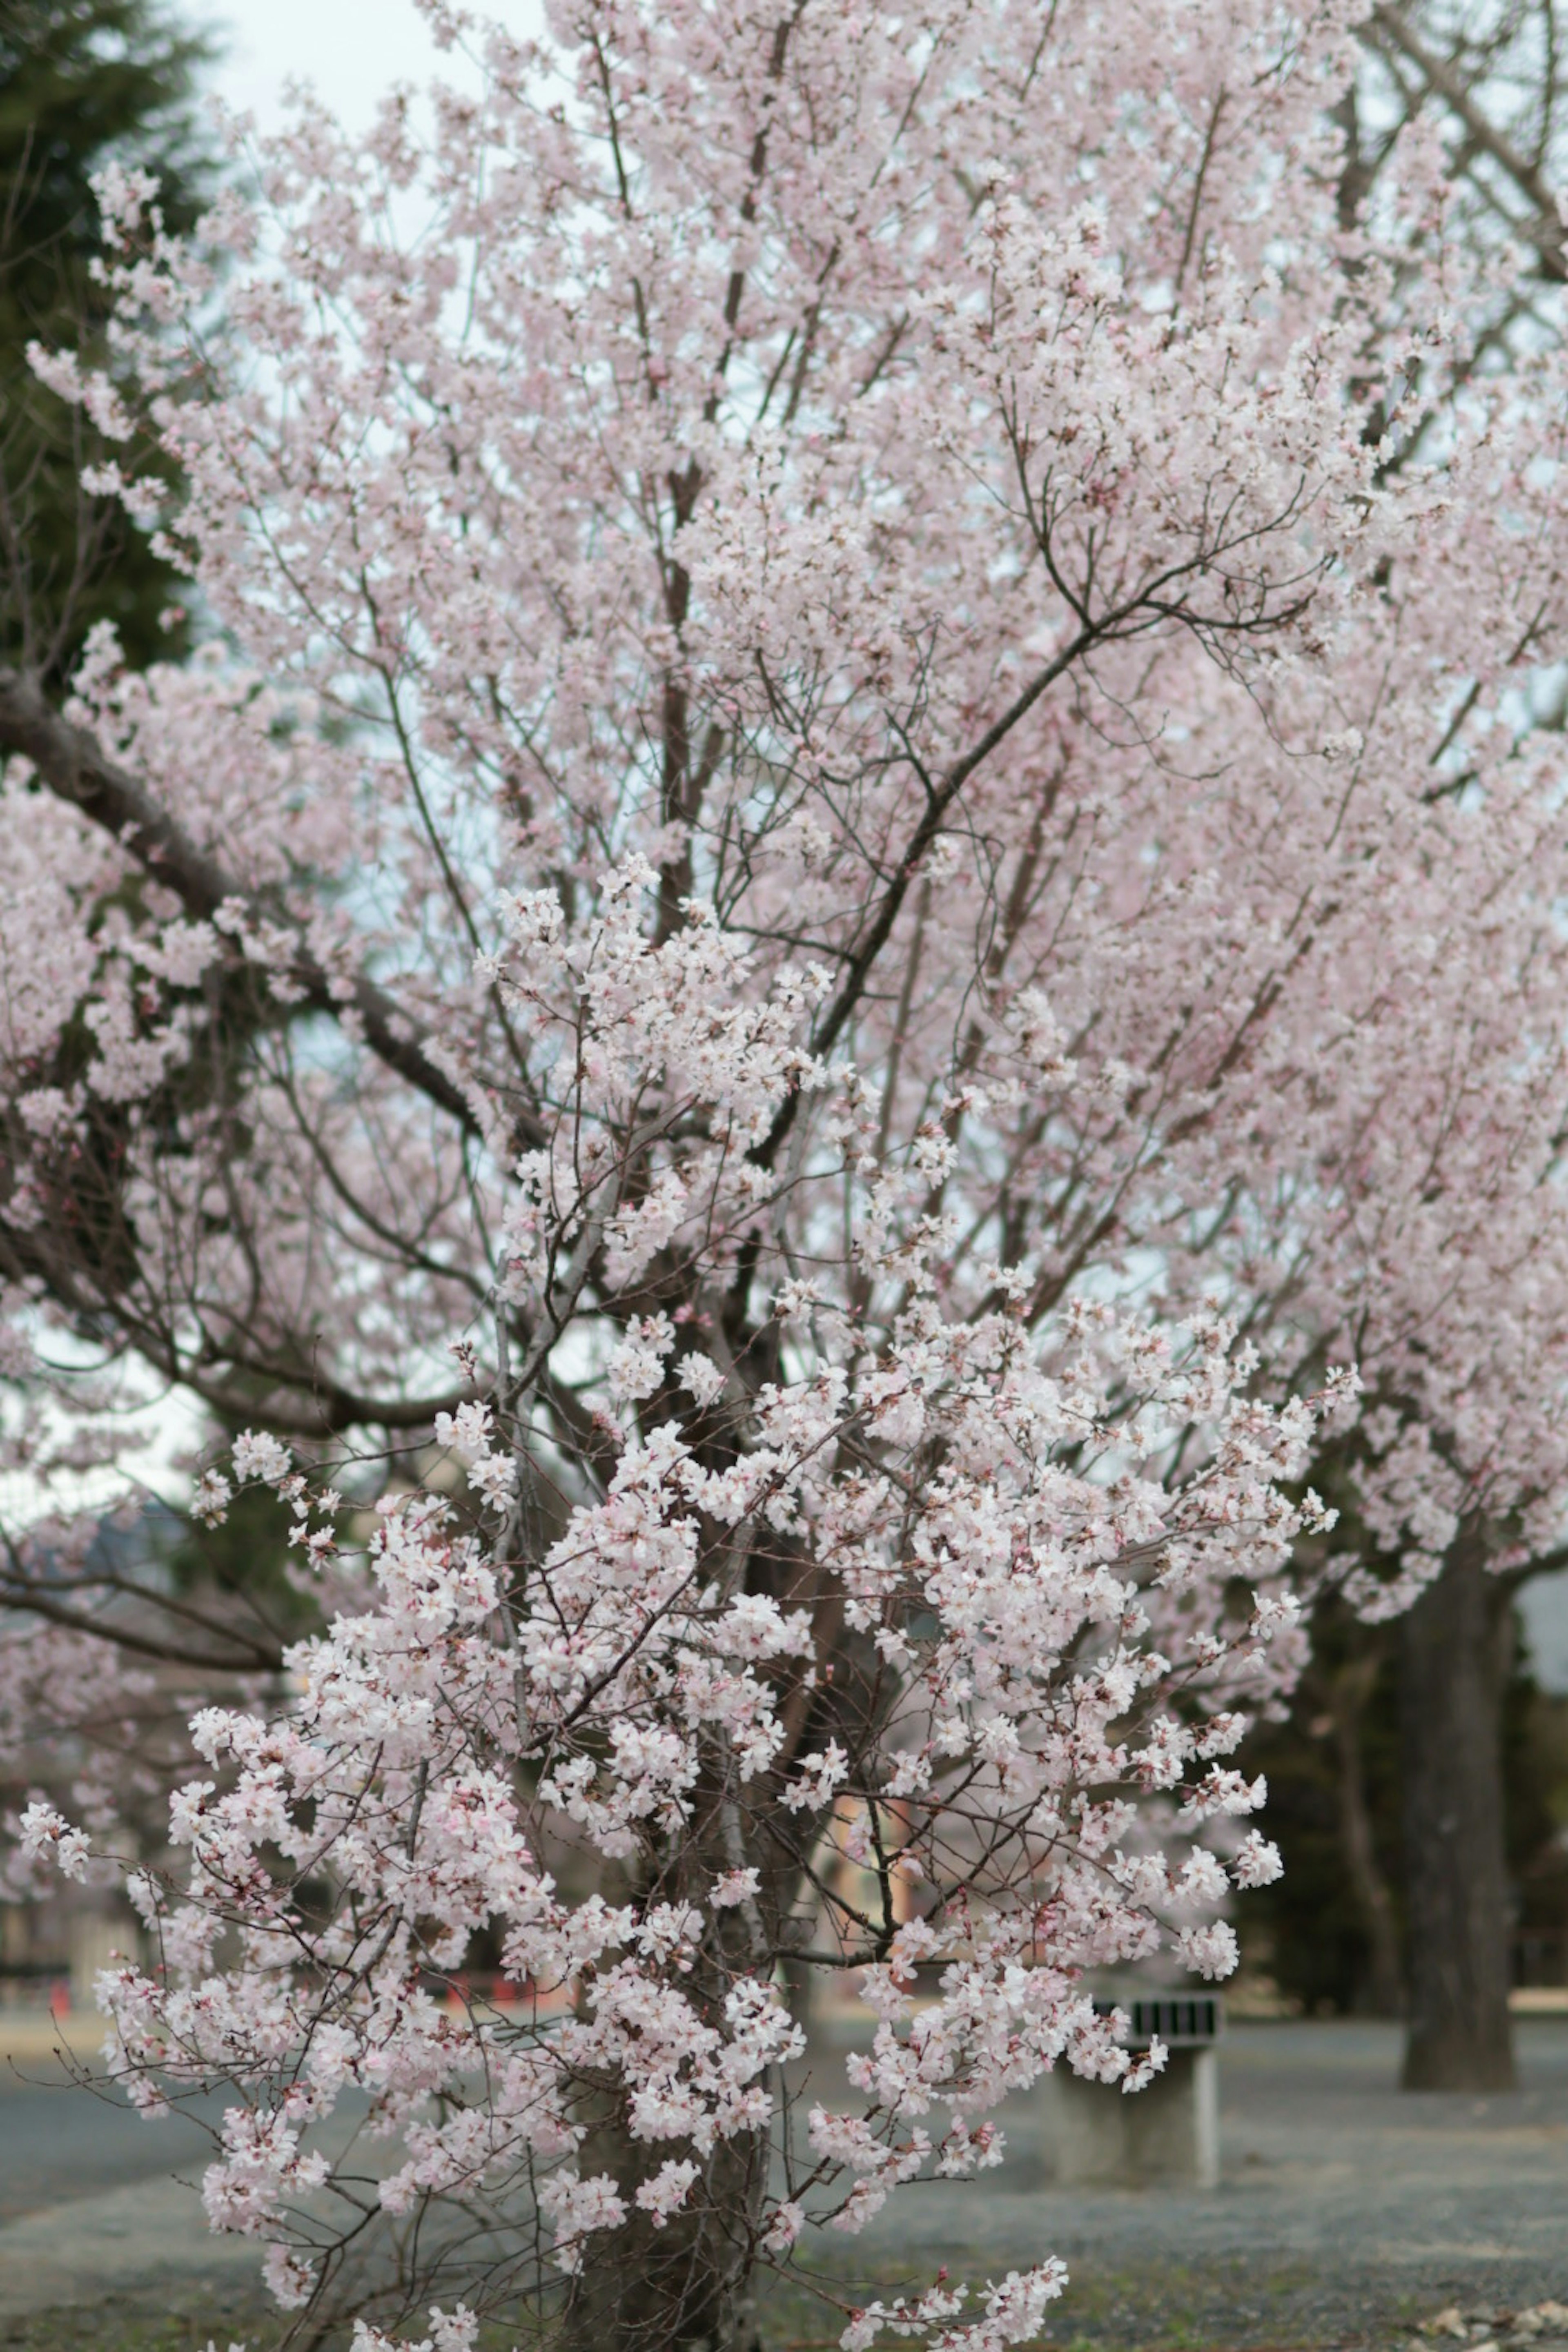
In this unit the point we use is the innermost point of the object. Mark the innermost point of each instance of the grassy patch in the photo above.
(112, 2327)
(1227, 2304)
(1235, 2304)
(1187, 2307)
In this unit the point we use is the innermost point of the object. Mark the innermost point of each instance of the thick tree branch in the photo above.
(1387, 29)
(23, 1594)
(75, 768)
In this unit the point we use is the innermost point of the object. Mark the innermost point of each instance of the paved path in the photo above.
(91, 2203)
(1346, 2208)
(1346, 2205)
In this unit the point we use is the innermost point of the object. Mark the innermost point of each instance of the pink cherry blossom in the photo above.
(851, 927)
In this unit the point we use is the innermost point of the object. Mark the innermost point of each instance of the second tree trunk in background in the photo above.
(1460, 2035)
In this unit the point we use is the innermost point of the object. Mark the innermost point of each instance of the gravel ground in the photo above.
(1347, 2210)
(1347, 2213)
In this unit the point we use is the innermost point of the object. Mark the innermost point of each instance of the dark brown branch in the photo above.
(1387, 28)
(938, 802)
(77, 769)
(25, 1596)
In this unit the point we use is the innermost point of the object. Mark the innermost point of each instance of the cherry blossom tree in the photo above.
(862, 872)
(1483, 84)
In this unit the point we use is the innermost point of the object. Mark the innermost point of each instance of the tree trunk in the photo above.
(687, 2284)
(1460, 2036)
(687, 2287)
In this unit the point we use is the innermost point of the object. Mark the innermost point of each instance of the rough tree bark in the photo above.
(687, 2283)
(687, 2287)
(1460, 2035)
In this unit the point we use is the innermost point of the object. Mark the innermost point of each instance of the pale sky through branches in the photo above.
(350, 49)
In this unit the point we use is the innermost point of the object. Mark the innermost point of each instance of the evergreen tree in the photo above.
(83, 83)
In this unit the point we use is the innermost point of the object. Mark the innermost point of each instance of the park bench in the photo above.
(1103, 2137)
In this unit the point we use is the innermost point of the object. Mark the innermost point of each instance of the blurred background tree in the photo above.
(83, 84)
(1331, 1933)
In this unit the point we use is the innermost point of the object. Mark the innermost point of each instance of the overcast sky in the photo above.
(351, 49)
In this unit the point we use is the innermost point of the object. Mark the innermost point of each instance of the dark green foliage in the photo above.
(1535, 1768)
(82, 83)
(1310, 1928)
(244, 1559)
(1310, 1931)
